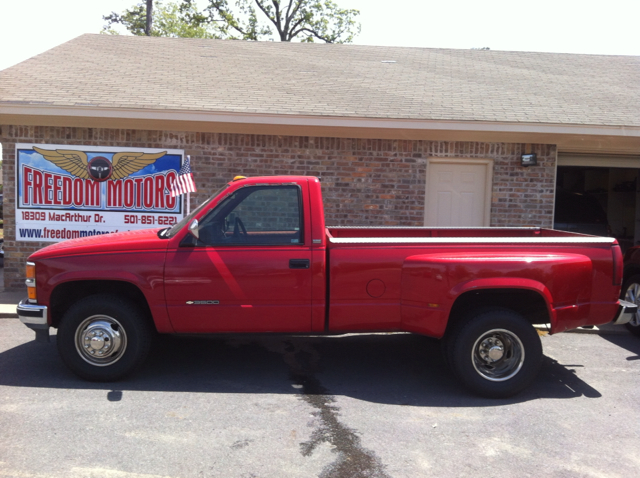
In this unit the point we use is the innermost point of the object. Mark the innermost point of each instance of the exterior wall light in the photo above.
(529, 159)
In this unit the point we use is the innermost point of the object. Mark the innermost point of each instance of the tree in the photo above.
(284, 20)
(167, 20)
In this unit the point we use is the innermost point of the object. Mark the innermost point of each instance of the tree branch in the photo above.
(278, 23)
(292, 31)
(314, 33)
(291, 15)
(228, 18)
(275, 21)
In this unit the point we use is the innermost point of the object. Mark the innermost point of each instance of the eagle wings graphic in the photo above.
(77, 163)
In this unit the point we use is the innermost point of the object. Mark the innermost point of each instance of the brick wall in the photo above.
(365, 182)
(523, 195)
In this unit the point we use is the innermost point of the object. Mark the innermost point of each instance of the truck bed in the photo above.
(372, 273)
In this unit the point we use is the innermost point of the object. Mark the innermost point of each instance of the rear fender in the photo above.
(431, 283)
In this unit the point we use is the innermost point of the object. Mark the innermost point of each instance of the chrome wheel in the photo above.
(497, 355)
(632, 294)
(100, 340)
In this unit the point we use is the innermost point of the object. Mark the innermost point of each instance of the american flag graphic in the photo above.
(184, 182)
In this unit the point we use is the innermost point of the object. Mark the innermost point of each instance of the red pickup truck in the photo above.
(257, 258)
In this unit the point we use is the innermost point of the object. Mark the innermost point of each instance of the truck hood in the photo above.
(130, 241)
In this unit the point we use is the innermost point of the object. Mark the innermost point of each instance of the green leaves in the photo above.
(172, 19)
(133, 19)
(176, 21)
(284, 20)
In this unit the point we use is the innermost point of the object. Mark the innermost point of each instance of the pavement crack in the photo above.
(239, 444)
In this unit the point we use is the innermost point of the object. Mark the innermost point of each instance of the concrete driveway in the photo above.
(353, 406)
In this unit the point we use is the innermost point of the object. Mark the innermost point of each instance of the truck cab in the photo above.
(250, 261)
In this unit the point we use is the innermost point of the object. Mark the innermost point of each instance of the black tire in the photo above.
(631, 292)
(103, 338)
(446, 346)
(496, 353)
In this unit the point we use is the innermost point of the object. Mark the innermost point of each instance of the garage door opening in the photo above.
(600, 201)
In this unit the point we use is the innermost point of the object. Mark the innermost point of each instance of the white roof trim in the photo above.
(9, 108)
(473, 240)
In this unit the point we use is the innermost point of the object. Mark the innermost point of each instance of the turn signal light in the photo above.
(31, 281)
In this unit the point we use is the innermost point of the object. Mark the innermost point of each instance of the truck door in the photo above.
(249, 270)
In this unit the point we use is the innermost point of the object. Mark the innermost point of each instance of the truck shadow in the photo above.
(626, 341)
(396, 369)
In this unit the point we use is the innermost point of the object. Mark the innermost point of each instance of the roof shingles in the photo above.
(329, 80)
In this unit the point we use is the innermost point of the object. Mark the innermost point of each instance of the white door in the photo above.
(458, 192)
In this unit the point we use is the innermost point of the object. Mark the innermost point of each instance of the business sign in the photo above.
(66, 192)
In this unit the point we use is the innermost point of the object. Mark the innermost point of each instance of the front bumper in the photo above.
(35, 317)
(626, 312)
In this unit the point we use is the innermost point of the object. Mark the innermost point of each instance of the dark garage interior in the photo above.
(600, 201)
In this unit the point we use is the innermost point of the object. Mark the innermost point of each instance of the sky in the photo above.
(608, 27)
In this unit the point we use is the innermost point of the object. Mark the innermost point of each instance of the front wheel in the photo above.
(103, 338)
(631, 292)
(496, 353)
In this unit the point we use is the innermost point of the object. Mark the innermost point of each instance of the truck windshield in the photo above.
(169, 233)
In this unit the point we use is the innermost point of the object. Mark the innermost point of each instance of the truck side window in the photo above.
(258, 215)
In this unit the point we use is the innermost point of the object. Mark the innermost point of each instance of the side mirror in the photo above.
(193, 229)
